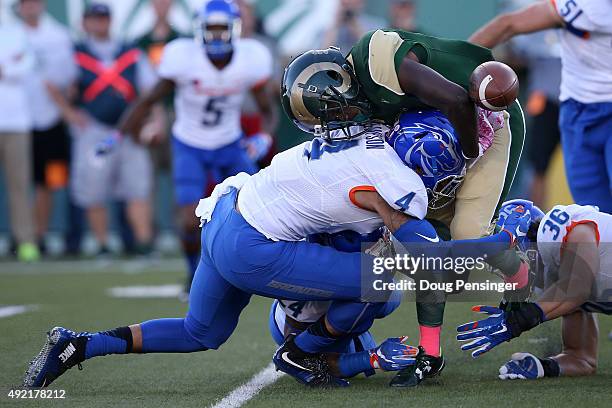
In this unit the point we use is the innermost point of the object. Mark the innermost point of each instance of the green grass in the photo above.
(78, 301)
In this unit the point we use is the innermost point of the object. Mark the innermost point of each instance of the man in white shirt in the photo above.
(53, 57)
(111, 75)
(15, 124)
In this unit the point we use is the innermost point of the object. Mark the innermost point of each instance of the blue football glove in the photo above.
(522, 366)
(393, 354)
(517, 224)
(500, 326)
(484, 334)
(258, 145)
(107, 145)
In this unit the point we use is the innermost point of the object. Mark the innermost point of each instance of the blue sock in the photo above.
(117, 341)
(190, 241)
(351, 364)
(193, 260)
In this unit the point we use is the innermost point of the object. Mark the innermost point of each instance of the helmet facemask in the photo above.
(321, 95)
(444, 191)
(338, 113)
(217, 31)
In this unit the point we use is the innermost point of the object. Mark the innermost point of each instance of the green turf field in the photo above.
(76, 298)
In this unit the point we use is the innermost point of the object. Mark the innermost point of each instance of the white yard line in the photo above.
(86, 266)
(8, 311)
(146, 291)
(245, 392)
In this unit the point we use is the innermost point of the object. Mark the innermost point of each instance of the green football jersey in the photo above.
(376, 59)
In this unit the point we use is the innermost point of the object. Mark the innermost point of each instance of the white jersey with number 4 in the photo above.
(311, 188)
(208, 100)
(586, 43)
(553, 233)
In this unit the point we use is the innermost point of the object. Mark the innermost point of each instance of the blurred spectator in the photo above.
(350, 25)
(154, 41)
(541, 54)
(53, 54)
(402, 15)
(251, 119)
(111, 75)
(16, 64)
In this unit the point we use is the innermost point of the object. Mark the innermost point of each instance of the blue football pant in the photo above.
(194, 167)
(586, 139)
(358, 339)
(237, 261)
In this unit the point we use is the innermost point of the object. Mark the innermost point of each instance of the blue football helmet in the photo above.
(217, 25)
(426, 142)
(530, 208)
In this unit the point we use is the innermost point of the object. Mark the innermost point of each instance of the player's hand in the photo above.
(107, 145)
(258, 145)
(516, 224)
(393, 354)
(522, 366)
(483, 335)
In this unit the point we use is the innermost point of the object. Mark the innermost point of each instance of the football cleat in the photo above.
(522, 366)
(307, 368)
(426, 366)
(63, 350)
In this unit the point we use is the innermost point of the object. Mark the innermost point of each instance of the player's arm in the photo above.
(408, 229)
(132, 121)
(579, 265)
(451, 99)
(536, 17)
(261, 93)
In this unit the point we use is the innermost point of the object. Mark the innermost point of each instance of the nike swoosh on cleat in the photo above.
(287, 360)
(430, 239)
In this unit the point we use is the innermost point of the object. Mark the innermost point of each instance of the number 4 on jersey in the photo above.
(404, 202)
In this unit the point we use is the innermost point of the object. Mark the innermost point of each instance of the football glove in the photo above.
(393, 354)
(258, 145)
(522, 366)
(500, 326)
(517, 224)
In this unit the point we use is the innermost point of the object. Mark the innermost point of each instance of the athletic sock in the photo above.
(551, 367)
(192, 264)
(116, 341)
(316, 338)
(191, 249)
(351, 364)
(430, 339)
(521, 277)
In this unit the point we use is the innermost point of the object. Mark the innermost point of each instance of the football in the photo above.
(494, 86)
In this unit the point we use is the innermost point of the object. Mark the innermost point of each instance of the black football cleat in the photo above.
(426, 367)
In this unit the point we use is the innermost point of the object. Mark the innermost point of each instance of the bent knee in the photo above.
(206, 336)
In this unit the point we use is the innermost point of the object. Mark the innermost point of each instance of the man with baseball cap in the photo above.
(111, 76)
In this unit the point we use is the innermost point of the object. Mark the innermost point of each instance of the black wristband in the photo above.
(551, 367)
(526, 317)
